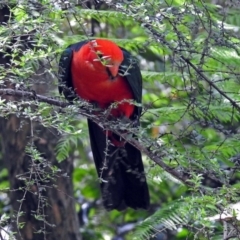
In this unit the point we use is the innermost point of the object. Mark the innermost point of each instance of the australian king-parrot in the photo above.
(103, 73)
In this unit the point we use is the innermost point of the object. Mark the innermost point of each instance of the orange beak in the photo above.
(114, 70)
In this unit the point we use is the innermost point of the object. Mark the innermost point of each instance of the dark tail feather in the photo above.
(136, 189)
(123, 180)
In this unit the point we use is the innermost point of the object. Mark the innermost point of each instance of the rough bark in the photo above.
(51, 199)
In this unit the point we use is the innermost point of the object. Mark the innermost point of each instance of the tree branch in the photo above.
(234, 104)
(161, 38)
(31, 95)
(155, 155)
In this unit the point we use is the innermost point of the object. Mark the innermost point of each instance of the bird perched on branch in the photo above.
(102, 73)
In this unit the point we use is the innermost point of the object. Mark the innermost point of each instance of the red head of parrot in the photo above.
(95, 73)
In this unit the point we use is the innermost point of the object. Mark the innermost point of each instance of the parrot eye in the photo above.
(100, 55)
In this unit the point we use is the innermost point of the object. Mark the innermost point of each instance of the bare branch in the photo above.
(32, 96)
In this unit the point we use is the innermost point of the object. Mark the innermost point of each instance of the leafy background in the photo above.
(189, 55)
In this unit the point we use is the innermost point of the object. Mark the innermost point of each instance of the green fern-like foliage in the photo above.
(65, 146)
(167, 217)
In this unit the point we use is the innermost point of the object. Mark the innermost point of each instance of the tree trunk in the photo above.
(41, 197)
(41, 202)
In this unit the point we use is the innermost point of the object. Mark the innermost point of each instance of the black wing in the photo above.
(124, 183)
(64, 72)
(131, 71)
